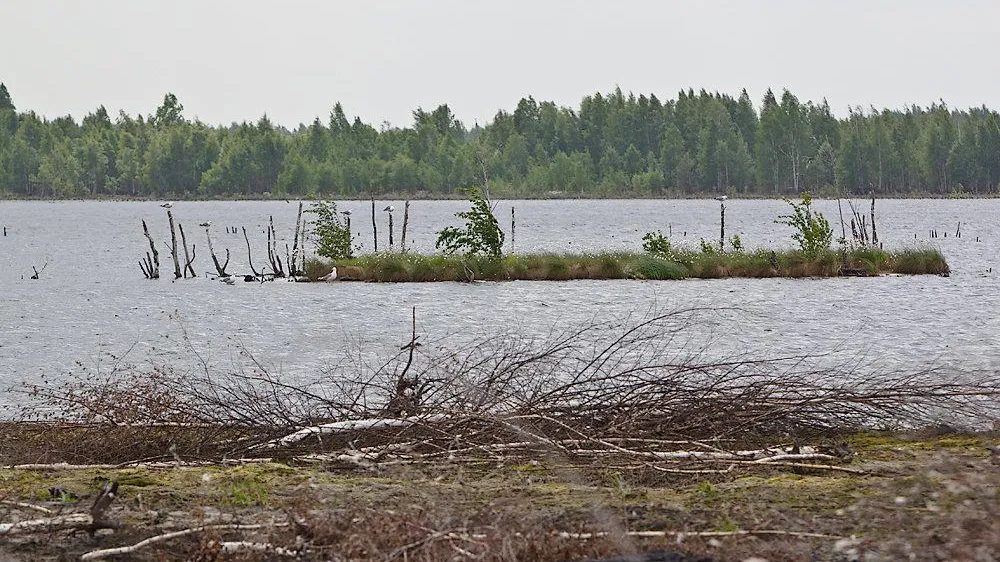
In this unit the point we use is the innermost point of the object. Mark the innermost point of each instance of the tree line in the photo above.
(612, 145)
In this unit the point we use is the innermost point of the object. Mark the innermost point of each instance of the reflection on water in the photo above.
(92, 297)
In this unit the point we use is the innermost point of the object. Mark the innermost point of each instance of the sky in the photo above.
(229, 61)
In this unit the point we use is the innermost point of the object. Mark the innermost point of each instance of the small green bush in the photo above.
(332, 235)
(481, 235)
(813, 232)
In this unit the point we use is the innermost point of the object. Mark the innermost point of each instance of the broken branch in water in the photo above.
(152, 268)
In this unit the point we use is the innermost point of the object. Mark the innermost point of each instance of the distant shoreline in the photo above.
(504, 197)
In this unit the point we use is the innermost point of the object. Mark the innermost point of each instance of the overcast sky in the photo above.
(230, 60)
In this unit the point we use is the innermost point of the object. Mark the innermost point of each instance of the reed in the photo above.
(761, 263)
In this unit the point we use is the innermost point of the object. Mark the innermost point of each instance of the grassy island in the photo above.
(396, 267)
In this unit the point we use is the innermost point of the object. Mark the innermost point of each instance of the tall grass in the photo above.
(392, 267)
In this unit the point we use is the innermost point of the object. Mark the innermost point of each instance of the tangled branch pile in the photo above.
(633, 387)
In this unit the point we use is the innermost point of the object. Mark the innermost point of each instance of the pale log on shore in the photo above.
(682, 534)
(48, 524)
(350, 425)
(92, 521)
(107, 552)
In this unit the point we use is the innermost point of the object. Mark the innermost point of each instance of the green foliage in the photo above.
(737, 243)
(706, 247)
(812, 231)
(649, 267)
(657, 244)
(333, 236)
(920, 261)
(316, 269)
(613, 144)
(481, 235)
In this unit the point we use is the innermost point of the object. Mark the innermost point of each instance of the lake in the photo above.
(91, 302)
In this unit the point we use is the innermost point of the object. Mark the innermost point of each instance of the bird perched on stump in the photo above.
(167, 205)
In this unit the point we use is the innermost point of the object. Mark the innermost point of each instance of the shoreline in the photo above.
(896, 492)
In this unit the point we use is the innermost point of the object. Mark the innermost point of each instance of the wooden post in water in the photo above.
(374, 225)
(512, 229)
(843, 231)
(173, 245)
(188, 258)
(722, 226)
(221, 269)
(874, 232)
(250, 254)
(390, 227)
(272, 249)
(153, 265)
(406, 222)
(293, 260)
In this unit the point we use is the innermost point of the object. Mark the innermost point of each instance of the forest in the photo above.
(612, 145)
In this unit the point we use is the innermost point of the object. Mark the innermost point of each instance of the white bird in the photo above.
(167, 205)
(722, 198)
(389, 208)
(347, 212)
(206, 224)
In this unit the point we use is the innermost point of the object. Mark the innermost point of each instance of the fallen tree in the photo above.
(611, 392)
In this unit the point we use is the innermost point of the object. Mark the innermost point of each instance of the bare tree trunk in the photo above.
(188, 259)
(173, 245)
(154, 264)
(390, 231)
(249, 253)
(722, 227)
(293, 260)
(220, 269)
(374, 224)
(874, 233)
(512, 229)
(272, 250)
(843, 231)
(302, 243)
(406, 222)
